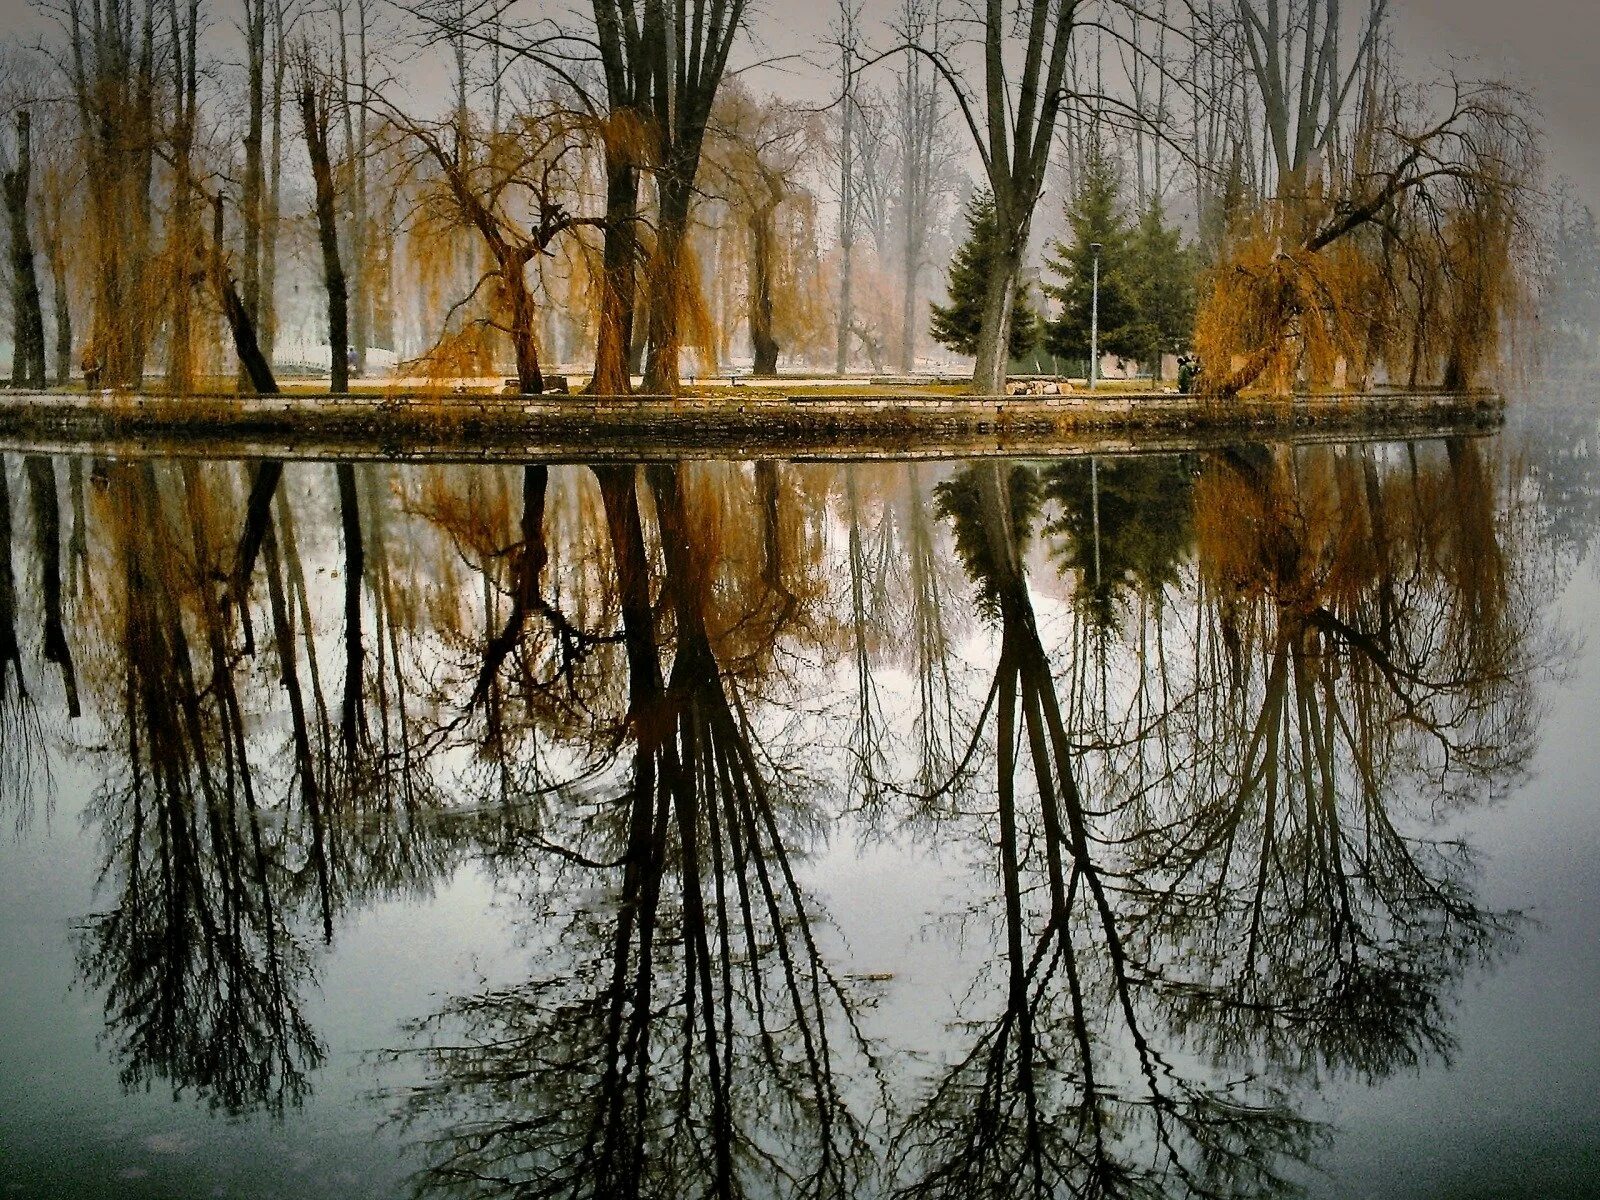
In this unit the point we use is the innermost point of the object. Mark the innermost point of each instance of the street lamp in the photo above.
(1094, 319)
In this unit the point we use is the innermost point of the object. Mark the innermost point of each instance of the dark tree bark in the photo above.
(240, 324)
(62, 304)
(353, 709)
(10, 649)
(314, 117)
(763, 341)
(687, 76)
(47, 543)
(180, 364)
(27, 352)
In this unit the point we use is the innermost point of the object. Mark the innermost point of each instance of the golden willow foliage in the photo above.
(803, 296)
(488, 203)
(1401, 263)
(1280, 314)
(660, 284)
(768, 239)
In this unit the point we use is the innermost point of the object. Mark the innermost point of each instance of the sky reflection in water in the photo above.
(1073, 827)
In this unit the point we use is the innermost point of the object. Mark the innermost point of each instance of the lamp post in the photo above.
(1094, 319)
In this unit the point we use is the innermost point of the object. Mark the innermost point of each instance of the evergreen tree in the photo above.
(956, 325)
(1162, 273)
(1571, 308)
(1095, 216)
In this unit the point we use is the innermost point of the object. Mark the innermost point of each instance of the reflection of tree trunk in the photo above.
(527, 565)
(305, 761)
(258, 512)
(352, 709)
(47, 539)
(10, 651)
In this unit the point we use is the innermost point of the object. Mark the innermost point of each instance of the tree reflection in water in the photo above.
(686, 1035)
(1195, 726)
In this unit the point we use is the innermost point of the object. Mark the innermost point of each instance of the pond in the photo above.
(1199, 823)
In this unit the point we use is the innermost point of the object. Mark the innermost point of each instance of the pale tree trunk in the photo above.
(999, 298)
(918, 88)
(254, 166)
(847, 185)
(355, 138)
(274, 202)
(361, 323)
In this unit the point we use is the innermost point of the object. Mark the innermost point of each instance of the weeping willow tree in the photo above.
(753, 155)
(1395, 256)
(513, 188)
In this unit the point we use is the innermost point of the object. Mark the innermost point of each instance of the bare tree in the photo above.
(27, 348)
(314, 96)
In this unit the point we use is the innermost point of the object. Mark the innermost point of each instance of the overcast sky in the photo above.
(1553, 46)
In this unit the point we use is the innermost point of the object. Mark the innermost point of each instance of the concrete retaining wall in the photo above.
(576, 423)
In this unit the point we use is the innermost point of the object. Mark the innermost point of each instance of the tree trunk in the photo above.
(63, 310)
(994, 330)
(524, 336)
(256, 368)
(314, 118)
(847, 185)
(361, 323)
(612, 369)
(669, 282)
(763, 343)
(254, 170)
(274, 206)
(27, 350)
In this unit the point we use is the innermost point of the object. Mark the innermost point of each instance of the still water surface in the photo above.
(1208, 824)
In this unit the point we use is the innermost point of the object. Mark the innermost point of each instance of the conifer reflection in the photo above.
(1068, 1089)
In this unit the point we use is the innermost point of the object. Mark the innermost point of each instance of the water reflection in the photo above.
(1192, 720)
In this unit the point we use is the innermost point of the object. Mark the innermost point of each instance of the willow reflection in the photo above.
(1194, 723)
(198, 966)
(684, 1035)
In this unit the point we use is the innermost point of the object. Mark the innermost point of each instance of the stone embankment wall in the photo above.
(580, 423)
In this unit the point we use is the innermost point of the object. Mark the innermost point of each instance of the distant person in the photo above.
(350, 362)
(91, 369)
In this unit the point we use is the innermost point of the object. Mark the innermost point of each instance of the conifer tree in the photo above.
(956, 325)
(1094, 217)
(1571, 309)
(1162, 274)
